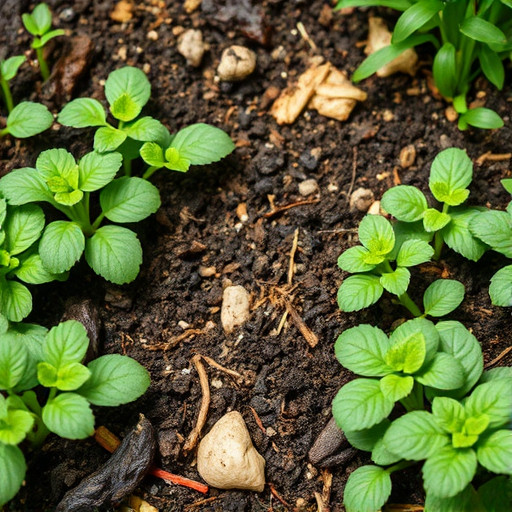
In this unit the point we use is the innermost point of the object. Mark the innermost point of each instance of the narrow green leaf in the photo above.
(48, 37)
(358, 292)
(445, 70)
(442, 297)
(399, 5)
(481, 117)
(482, 30)
(82, 112)
(367, 489)
(414, 18)
(28, 119)
(492, 66)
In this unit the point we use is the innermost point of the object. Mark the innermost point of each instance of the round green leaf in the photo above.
(453, 169)
(145, 129)
(362, 350)
(23, 186)
(23, 227)
(129, 199)
(353, 260)
(442, 297)
(495, 229)
(367, 489)
(15, 300)
(27, 119)
(443, 372)
(152, 154)
(65, 343)
(493, 398)
(12, 469)
(9, 67)
(61, 246)
(96, 170)
(396, 387)
(114, 253)
(366, 439)
(32, 271)
(500, 289)
(396, 282)
(405, 203)
(108, 138)
(15, 426)
(414, 252)
(82, 112)
(376, 234)
(69, 415)
(434, 220)
(115, 380)
(358, 292)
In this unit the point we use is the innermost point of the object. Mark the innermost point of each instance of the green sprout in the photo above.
(8, 70)
(39, 24)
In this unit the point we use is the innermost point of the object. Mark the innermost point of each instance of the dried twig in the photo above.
(174, 341)
(203, 410)
(279, 209)
(278, 496)
(498, 358)
(308, 334)
(291, 266)
(214, 363)
(303, 32)
(493, 157)
(199, 503)
(258, 421)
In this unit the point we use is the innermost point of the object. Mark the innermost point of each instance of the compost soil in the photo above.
(287, 384)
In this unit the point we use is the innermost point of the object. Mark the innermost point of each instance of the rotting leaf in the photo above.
(119, 476)
(379, 37)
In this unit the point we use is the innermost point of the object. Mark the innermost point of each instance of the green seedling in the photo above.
(27, 119)
(421, 363)
(373, 262)
(21, 228)
(470, 38)
(54, 361)
(450, 175)
(495, 229)
(8, 70)
(39, 24)
(112, 251)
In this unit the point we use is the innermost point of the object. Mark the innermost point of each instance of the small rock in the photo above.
(236, 63)
(308, 187)
(235, 308)
(68, 14)
(227, 459)
(375, 209)
(191, 46)
(191, 5)
(122, 12)
(361, 199)
(309, 159)
(207, 271)
(152, 35)
(407, 156)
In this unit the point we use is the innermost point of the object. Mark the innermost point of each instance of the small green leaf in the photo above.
(482, 30)
(115, 380)
(69, 415)
(414, 18)
(434, 220)
(449, 414)
(405, 231)
(362, 350)
(367, 439)
(358, 292)
(23, 227)
(453, 169)
(13, 362)
(127, 91)
(443, 372)
(32, 271)
(382, 456)
(48, 37)
(376, 234)
(507, 185)
(411, 329)
(499, 373)
(108, 138)
(152, 154)
(129, 199)
(449, 471)
(114, 253)
(60, 163)
(82, 112)
(396, 387)
(65, 343)
(144, 129)
(202, 144)
(415, 436)
(399, 5)
(396, 282)
(61, 246)
(367, 489)
(15, 426)
(9, 67)
(492, 66)
(465, 501)
(96, 170)
(27, 119)
(39, 21)
(495, 229)
(500, 289)
(23, 186)
(67, 377)
(442, 297)
(12, 469)
(360, 404)
(176, 161)
(496, 494)
(492, 398)
(408, 355)
(481, 117)
(414, 252)
(15, 300)
(353, 260)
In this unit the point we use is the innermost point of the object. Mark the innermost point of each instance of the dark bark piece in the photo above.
(86, 312)
(329, 441)
(119, 476)
(338, 459)
(247, 15)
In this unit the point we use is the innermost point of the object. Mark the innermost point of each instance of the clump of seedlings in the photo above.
(469, 38)
(54, 361)
(127, 91)
(39, 25)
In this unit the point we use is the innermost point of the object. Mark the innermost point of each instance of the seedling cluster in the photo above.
(423, 396)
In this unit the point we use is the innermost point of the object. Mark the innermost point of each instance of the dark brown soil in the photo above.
(289, 385)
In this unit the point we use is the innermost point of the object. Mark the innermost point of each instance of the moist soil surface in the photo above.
(172, 311)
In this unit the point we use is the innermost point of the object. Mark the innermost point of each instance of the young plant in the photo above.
(8, 70)
(21, 228)
(39, 24)
(27, 119)
(469, 37)
(112, 251)
(495, 229)
(450, 175)
(419, 363)
(55, 362)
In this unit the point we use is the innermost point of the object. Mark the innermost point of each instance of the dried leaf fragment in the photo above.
(379, 37)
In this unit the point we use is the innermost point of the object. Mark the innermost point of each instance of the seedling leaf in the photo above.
(396, 387)
(108, 138)
(13, 362)
(65, 343)
(12, 469)
(354, 260)
(376, 234)
(16, 300)
(9, 67)
(493, 398)
(500, 289)
(358, 292)
(23, 186)
(443, 372)
(434, 220)
(405, 203)
(442, 297)
(367, 489)
(96, 170)
(414, 252)
(396, 282)
(23, 227)
(82, 112)
(28, 119)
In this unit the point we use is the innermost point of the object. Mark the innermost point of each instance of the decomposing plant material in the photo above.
(30, 356)
(39, 24)
(323, 88)
(119, 476)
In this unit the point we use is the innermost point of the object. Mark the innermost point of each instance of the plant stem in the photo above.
(414, 401)
(127, 166)
(40, 434)
(43, 66)
(401, 465)
(97, 222)
(438, 238)
(7, 94)
(4, 132)
(149, 172)
(408, 303)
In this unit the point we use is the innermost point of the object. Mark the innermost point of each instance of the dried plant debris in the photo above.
(379, 37)
(321, 87)
(119, 476)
